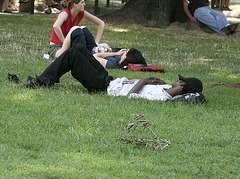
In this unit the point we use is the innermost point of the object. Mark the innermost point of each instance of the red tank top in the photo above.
(66, 26)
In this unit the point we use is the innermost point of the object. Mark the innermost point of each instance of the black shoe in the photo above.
(29, 78)
(225, 30)
(31, 84)
(14, 78)
(232, 28)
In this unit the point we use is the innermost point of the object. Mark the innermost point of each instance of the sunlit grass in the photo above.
(65, 132)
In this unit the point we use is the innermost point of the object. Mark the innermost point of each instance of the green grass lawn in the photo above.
(65, 132)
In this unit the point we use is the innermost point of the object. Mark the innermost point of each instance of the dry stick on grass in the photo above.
(197, 172)
(155, 143)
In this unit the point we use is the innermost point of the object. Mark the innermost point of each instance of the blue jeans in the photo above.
(213, 19)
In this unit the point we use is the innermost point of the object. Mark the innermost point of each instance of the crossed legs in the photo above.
(77, 35)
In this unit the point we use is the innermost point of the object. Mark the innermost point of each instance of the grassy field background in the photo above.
(65, 132)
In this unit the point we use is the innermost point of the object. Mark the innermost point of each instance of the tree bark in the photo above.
(152, 13)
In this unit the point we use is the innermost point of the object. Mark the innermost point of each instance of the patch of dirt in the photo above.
(175, 26)
(230, 85)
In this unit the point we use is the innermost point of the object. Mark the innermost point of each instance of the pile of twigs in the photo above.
(154, 143)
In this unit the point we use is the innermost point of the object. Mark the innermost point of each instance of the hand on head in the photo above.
(121, 52)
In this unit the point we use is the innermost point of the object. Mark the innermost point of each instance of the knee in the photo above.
(85, 30)
(76, 31)
(75, 28)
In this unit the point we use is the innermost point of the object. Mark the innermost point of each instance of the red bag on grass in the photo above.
(138, 67)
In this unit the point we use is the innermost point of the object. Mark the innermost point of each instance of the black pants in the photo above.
(84, 37)
(84, 67)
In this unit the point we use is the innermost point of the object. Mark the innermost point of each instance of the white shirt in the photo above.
(122, 86)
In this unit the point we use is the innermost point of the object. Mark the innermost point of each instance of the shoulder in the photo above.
(64, 13)
(81, 13)
(87, 14)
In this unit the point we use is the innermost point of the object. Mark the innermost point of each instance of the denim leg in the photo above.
(220, 18)
(211, 18)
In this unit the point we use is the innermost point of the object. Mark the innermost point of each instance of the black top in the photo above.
(194, 4)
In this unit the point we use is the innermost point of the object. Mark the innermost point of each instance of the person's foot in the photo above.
(232, 28)
(31, 84)
(225, 30)
(34, 82)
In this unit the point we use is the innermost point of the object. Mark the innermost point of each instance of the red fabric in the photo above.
(66, 26)
(134, 67)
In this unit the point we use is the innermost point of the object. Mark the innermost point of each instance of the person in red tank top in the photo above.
(68, 18)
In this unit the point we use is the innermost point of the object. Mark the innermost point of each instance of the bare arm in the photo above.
(57, 25)
(143, 82)
(110, 54)
(96, 21)
(174, 91)
(138, 86)
(186, 10)
(100, 56)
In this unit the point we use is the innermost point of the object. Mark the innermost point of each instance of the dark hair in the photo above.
(69, 3)
(133, 56)
(186, 89)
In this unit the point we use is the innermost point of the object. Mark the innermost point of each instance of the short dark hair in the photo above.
(134, 56)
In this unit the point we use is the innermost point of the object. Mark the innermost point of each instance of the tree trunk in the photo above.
(153, 13)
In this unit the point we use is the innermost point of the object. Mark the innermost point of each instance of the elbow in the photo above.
(55, 27)
(102, 24)
(96, 55)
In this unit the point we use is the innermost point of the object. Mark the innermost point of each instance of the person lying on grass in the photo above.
(93, 76)
(106, 57)
(121, 58)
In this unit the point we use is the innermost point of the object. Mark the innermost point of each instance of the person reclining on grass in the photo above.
(106, 57)
(121, 58)
(93, 76)
(200, 10)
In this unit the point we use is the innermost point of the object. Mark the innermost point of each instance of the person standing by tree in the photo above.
(69, 17)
